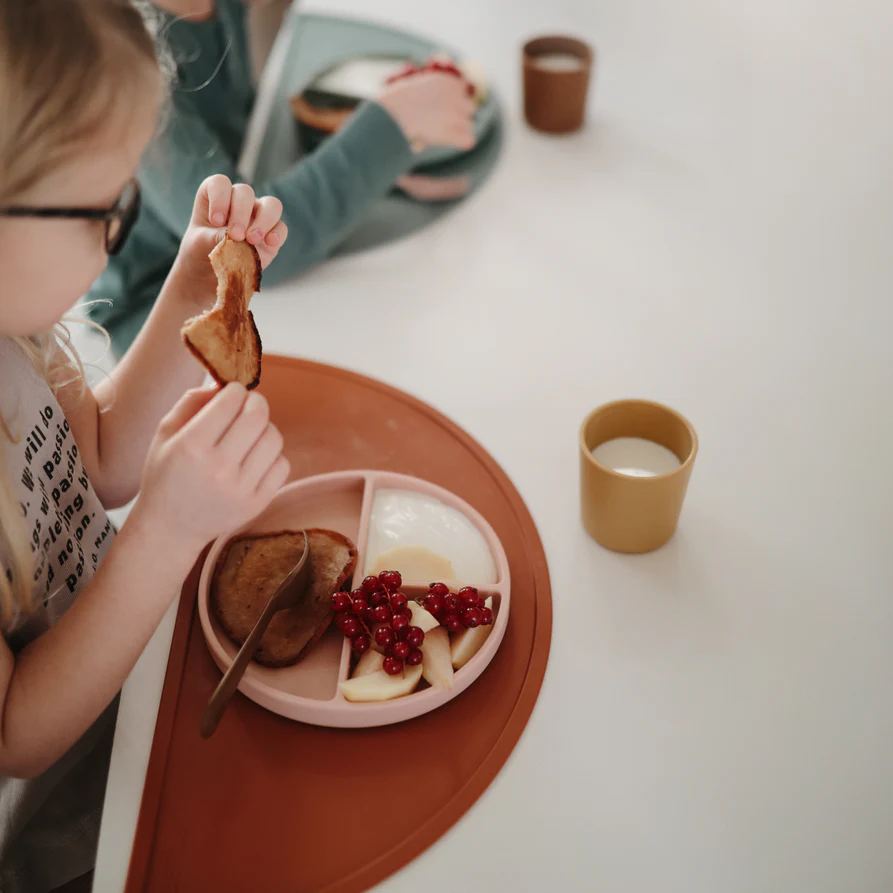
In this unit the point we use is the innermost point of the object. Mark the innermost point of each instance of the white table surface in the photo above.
(717, 717)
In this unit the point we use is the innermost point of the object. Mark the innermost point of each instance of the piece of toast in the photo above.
(250, 569)
(225, 339)
(326, 119)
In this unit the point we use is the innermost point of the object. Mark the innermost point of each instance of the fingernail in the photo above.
(273, 239)
(237, 232)
(218, 219)
(258, 235)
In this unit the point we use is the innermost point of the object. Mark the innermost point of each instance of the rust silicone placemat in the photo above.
(268, 804)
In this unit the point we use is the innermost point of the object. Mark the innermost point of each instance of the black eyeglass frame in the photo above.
(123, 212)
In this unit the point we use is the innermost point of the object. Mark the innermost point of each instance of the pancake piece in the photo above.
(248, 573)
(224, 339)
(326, 119)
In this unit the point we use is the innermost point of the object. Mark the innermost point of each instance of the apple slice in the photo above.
(467, 643)
(474, 74)
(437, 666)
(378, 686)
(414, 563)
(421, 618)
(371, 662)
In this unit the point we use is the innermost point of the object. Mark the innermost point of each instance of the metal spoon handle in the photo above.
(230, 682)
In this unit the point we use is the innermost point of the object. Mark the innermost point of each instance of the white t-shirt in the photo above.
(49, 825)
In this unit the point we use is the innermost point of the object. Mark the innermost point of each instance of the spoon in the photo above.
(289, 594)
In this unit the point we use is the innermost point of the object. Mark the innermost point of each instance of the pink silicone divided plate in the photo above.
(308, 691)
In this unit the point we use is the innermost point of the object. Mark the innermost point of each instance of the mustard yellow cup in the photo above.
(624, 512)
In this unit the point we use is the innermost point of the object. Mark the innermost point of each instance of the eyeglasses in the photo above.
(118, 219)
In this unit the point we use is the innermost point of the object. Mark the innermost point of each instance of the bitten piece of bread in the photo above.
(224, 339)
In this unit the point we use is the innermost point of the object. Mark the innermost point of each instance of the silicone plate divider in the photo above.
(326, 501)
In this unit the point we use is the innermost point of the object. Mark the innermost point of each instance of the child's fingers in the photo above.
(247, 429)
(276, 236)
(433, 189)
(467, 107)
(460, 134)
(213, 420)
(185, 408)
(267, 212)
(274, 478)
(241, 206)
(456, 87)
(212, 201)
(262, 456)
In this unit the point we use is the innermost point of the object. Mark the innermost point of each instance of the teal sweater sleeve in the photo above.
(323, 196)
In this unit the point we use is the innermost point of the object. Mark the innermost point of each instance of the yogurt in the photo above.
(436, 535)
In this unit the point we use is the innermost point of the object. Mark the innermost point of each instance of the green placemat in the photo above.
(310, 44)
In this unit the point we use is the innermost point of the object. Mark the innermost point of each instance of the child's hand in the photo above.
(215, 463)
(223, 208)
(432, 109)
(433, 189)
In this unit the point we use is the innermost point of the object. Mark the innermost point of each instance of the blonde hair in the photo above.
(68, 70)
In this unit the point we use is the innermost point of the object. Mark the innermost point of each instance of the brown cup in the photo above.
(555, 101)
(622, 512)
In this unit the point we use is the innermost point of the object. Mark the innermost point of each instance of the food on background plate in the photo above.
(359, 78)
(327, 104)
(319, 117)
(224, 339)
(469, 71)
(250, 569)
(403, 519)
(410, 637)
(473, 72)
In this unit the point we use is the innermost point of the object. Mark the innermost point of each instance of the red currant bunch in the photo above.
(457, 610)
(378, 612)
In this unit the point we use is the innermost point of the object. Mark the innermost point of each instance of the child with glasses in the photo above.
(80, 90)
(118, 219)
(324, 195)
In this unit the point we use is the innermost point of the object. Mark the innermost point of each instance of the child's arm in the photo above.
(326, 194)
(114, 424)
(215, 463)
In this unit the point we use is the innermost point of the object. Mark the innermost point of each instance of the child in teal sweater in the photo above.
(323, 196)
